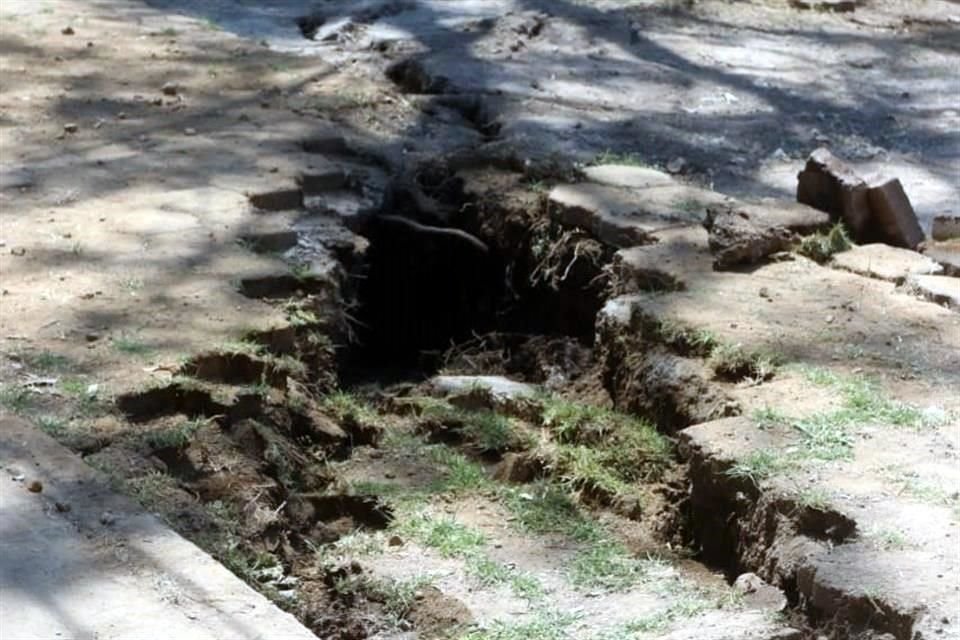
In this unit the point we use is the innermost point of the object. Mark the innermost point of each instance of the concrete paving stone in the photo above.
(629, 176)
(940, 289)
(884, 262)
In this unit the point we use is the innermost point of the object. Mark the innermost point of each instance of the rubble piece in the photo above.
(748, 233)
(829, 184)
(893, 215)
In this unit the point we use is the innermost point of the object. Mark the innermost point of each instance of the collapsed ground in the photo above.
(276, 408)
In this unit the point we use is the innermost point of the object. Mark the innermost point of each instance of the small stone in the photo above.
(170, 89)
(107, 518)
(395, 541)
(67, 31)
(389, 475)
(35, 486)
(828, 319)
(91, 337)
(189, 131)
(62, 507)
(71, 127)
(122, 115)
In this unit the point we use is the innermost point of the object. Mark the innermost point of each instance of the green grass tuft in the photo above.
(819, 247)
(546, 625)
(450, 538)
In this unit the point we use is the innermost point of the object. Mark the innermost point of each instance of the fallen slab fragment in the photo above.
(945, 228)
(885, 262)
(75, 545)
(632, 177)
(940, 289)
(829, 184)
(946, 254)
(748, 233)
(893, 215)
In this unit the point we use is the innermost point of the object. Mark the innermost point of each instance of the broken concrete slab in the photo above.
(629, 176)
(945, 228)
(747, 233)
(946, 254)
(940, 289)
(677, 257)
(77, 544)
(884, 262)
(893, 215)
(622, 217)
(829, 184)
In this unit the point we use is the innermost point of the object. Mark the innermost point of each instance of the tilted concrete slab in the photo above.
(78, 561)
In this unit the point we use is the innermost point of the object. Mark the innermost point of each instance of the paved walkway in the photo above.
(80, 562)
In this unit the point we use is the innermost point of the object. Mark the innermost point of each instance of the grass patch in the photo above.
(733, 362)
(545, 508)
(820, 247)
(54, 426)
(599, 451)
(461, 475)
(606, 565)
(758, 466)
(346, 406)
(601, 563)
(177, 437)
(490, 573)
(15, 399)
(546, 625)
(887, 539)
(641, 451)
(683, 339)
(44, 361)
(768, 418)
(814, 498)
(450, 538)
(611, 157)
(487, 430)
(153, 489)
(130, 345)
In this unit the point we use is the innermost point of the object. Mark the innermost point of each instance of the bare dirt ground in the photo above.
(210, 288)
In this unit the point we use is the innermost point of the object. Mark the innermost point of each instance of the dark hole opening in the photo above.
(421, 292)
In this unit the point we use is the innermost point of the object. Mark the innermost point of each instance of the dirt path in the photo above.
(238, 239)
